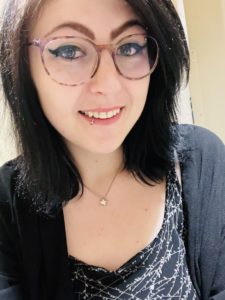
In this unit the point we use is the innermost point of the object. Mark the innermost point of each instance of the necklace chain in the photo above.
(102, 198)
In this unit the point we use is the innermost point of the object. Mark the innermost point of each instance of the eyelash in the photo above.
(56, 52)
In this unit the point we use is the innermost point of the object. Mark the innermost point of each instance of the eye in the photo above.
(69, 52)
(130, 49)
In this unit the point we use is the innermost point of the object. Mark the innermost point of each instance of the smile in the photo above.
(101, 115)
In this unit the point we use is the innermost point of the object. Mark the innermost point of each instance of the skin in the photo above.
(135, 212)
(89, 145)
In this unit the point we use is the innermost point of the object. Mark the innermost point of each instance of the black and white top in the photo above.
(159, 271)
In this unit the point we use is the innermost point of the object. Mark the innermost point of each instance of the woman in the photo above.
(94, 207)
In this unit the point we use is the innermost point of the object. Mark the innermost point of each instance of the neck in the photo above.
(96, 169)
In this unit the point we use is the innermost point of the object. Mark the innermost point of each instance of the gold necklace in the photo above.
(103, 198)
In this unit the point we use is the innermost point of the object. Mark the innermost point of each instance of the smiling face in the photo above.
(97, 115)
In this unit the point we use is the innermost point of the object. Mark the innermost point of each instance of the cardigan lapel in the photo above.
(55, 258)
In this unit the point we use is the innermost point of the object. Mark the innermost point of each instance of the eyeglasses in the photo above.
(72, 60)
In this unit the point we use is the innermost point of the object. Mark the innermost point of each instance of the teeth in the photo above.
(102, 115)
(95, 114)
(90, 114)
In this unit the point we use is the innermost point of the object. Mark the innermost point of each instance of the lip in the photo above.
(112, 120)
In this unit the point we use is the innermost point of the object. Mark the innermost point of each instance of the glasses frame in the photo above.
(41, 44)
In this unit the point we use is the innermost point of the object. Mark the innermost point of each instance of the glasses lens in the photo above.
(136, 56)
(69, 61)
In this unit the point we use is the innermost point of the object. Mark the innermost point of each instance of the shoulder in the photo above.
(8, 192)
(8, 203)
(202, 157)
(7, 180)
(198, 135)
(196, 142)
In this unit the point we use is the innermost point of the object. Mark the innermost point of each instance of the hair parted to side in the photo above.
(46, 172)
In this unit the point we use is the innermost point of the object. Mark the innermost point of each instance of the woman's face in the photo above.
(106, 91)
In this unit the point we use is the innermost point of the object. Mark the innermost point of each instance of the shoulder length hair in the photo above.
(46, 172)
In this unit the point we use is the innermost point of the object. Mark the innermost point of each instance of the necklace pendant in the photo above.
(103, 202)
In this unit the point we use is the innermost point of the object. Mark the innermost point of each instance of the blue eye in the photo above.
(130, 49)
(67, 52)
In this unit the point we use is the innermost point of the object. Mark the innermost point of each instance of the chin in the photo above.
(106, 148)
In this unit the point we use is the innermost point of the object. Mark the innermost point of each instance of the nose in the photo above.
(106, 78)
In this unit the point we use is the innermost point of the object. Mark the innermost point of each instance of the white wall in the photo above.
(206, 31)
(185, 113)
(7, 146)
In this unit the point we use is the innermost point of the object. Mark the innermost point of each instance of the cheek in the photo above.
(139, 93)
(60, 107)
(56, 100)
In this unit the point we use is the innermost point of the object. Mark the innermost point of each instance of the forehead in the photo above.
(101, 16)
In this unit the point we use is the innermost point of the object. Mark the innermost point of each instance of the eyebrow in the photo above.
(89, 33)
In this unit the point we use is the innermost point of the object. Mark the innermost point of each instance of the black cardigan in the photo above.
(33, 252)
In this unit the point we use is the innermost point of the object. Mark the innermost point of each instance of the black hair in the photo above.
(46, 171)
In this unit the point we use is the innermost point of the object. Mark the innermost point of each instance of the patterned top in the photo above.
(159, 271)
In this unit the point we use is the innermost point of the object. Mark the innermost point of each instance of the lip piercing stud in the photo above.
(92, 122)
